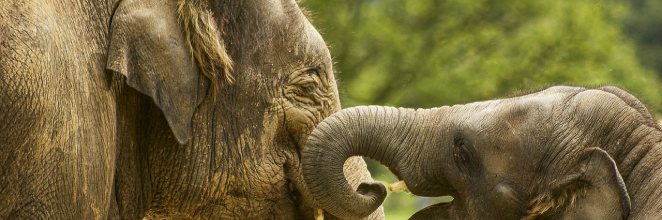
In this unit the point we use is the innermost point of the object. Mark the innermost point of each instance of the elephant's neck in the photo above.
(640, 165)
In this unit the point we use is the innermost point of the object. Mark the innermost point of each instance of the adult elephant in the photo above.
(561, 153)
(166, 109)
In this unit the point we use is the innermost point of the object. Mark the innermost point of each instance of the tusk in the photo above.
(319, 214)
(397, 186)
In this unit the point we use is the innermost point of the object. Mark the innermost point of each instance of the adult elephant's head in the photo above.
(552, 154)
(241, 55)
(244, 82)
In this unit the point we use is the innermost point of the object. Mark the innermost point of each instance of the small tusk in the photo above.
(397, 186)
(319, 214)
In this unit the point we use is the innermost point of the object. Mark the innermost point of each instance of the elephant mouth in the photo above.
(435, 211)
(439, 210)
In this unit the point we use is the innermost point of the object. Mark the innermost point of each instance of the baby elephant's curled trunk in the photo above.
(371, 131)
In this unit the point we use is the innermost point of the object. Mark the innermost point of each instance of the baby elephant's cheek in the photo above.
(506, 195)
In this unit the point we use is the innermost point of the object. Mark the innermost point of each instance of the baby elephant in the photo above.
(561, 153)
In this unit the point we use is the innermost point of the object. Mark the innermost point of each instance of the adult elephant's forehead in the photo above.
(273, 30)
(251, 24)
(275, 15)
(284, 8)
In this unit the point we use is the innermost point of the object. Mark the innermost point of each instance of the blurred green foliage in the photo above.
(428, 53)
(644, 24)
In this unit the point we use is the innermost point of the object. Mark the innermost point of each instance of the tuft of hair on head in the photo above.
(563, 196)
(205, 42)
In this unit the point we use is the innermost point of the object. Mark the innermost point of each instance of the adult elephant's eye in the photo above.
(313, 72)
(309, 88)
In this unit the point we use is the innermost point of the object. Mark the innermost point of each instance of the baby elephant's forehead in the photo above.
(508, 124)
(507, 110)
(534, 106)
(516, 115)
(541, 100)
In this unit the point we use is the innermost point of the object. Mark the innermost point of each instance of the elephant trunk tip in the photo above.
(373, 190)
(357, 131)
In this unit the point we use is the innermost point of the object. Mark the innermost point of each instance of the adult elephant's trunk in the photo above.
(380, 133)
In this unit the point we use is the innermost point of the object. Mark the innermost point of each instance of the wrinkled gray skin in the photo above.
(104, 113)
(561, 153)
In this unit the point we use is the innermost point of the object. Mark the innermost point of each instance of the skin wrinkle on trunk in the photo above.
(635, 143)
(626, 132)
(357, 131)
(641, 166)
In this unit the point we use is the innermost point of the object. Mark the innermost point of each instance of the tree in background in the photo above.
(644, 24)
(428, 53)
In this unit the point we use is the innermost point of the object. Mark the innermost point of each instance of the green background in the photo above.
(428, 53)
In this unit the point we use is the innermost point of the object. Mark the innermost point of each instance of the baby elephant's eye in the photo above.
(312, 72)
(464, 156)
(465, 159)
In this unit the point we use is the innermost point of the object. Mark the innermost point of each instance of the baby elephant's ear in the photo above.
(594, 190)
(149, 47)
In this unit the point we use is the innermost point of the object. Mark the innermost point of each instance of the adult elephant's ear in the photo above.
(165, 49)
(593, 190)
